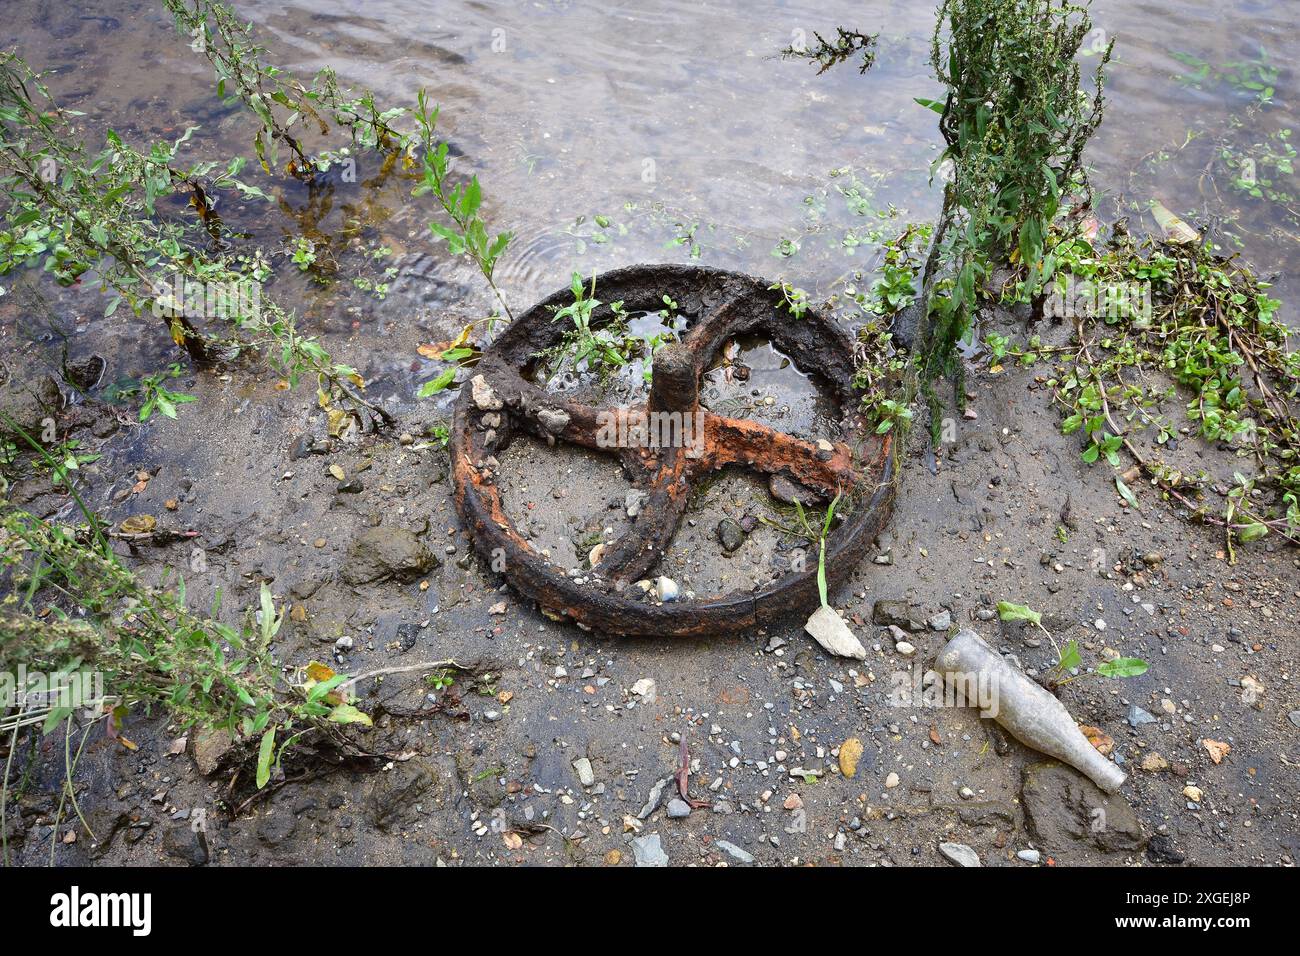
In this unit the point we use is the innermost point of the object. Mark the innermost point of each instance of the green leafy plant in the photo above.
(828, 53)
(1014, 119)
(603, 346)
(280, 102)
(1068, 658)
(821, 550)
(878, 376)
(1238, 375)
(1256, 77)
(158, 397)
(467, 234)
(98, 212)
(793, 300)
(83, 609)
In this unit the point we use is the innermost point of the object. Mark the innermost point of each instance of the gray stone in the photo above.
(209, 748)
(586, 776)
(28, 404)
(1137, 716)
(1029, 856)
(733, 851)
(277, 827)
(941, 621)
(483, 396)
(1064, 808)
(783, 489)
(652, 801)
(553, 420)
(1294, 717)
(633, 501)
(898, 613)
(678, 809)
(380, 553)
(960, 854)
(730, 534)
(188, 844)
(649, 851)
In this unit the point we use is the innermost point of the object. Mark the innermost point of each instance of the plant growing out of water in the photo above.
(828, 53)
(468, 234)
(1014, 119)
(1255, 77)
(1258, 170)
(895, 289)
(601, 346)
(74, 213)
(793, 300)
(279, 101)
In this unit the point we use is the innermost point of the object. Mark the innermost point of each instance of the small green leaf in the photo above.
(1127, 494)
(1252, 531)
(55, 717)
(1018, 612)
(347, 714)
(264, 754)
(1070, 658)
(1123, 667)
(324, 687)
(436, 385)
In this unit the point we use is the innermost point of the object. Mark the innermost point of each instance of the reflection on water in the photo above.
(607, 134)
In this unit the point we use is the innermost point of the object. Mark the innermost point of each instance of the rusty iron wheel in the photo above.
(498, 402)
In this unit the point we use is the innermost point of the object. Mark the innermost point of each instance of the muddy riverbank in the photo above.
(550, 745)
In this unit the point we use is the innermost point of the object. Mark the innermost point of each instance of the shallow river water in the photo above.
(679, 125)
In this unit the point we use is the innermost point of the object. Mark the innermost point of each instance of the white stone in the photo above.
(829, 630)
(666, 589)
(483, 396)
(585, 775)
(960, 854)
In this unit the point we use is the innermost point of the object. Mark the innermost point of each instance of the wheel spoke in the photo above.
(642, 548)
(539, 412)
(707, 336)
(741, 441)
